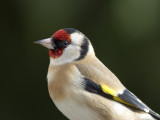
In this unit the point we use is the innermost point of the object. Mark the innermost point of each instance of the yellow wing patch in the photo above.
(110, 91)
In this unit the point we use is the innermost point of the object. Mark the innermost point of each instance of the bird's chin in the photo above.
(55, 53)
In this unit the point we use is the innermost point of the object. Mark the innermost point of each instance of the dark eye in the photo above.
(61, 43)
(65, 43)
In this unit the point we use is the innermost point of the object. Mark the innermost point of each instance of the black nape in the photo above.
(84, 49)
(70, 30)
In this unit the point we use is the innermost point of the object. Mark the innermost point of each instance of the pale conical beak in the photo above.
(46, 43)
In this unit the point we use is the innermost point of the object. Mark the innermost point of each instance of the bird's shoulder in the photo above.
(92, 68)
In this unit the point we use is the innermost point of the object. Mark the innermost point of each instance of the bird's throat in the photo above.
(55, 53)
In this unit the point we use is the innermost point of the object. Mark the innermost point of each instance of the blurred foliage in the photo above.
(125, 35)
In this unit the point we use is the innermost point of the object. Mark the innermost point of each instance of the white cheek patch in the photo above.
(69, 54)
(77, 38)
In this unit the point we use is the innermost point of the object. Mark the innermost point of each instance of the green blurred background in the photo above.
(125, 35)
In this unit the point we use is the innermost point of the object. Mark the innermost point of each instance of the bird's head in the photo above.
(67, 45)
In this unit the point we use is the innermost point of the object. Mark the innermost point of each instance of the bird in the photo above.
(82, 87)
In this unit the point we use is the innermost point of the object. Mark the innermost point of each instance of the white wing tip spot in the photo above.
(139, 100)
(120, 92)
(146, 110)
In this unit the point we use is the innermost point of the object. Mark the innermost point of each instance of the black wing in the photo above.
(127, 97)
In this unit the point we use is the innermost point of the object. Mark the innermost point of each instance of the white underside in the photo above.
(75, 111)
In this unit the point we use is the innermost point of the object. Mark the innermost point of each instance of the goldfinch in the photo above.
(82, 87)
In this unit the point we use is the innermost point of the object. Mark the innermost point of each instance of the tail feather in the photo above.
(154, 114)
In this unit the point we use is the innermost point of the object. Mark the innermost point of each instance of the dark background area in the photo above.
(125, 35)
